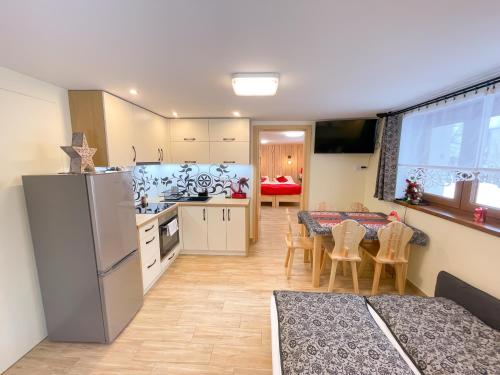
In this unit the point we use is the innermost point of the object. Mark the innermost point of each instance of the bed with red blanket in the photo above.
(280, 189)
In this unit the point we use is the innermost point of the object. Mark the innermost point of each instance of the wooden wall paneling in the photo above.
(87, 116)
(274, 160)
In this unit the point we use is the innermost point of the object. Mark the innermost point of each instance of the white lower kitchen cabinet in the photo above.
(216, 230)
(237, 233)
(194, 227)
(149, 246)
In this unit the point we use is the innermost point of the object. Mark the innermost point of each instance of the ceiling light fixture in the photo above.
(175, 114)
(255, 84)
(236, 114)
(133, 91)
(294, 134)
(264, 141)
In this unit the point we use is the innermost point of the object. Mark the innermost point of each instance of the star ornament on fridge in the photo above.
(80, 154)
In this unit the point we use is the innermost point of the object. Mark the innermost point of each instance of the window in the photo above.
(453, 151)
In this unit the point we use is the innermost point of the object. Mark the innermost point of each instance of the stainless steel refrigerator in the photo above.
(85, 241)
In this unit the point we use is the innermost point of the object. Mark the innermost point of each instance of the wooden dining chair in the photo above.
(346, 238)
(358, 207)
(394, 239)
(295, 241)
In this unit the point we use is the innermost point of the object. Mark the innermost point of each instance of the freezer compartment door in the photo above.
(121, 294)
(113, 217)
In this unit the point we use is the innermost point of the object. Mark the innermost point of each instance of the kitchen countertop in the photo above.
(141, 219)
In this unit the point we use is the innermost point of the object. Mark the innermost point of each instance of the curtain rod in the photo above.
(465, 90)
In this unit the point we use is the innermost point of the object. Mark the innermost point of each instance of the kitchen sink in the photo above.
(187, 199)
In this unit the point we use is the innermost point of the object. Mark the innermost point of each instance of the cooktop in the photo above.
(152, 208)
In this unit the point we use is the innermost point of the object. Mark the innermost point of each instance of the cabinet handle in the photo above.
(151, 227)
(135, 153)
(173, 255)
(190, 161)
(190, 139)
(223, 215)
(204, 216)
(228, 214)
(151, 240)
(159, 155)
(152, 264)
(229, 139)
(229, 162)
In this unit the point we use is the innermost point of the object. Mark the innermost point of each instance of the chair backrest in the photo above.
(347, 236)
(394, 241)
(358, 207)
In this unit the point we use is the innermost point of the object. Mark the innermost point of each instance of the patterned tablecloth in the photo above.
(321, 222)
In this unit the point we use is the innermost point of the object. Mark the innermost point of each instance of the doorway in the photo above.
(281, 158)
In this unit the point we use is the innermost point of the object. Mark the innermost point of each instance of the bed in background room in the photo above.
(280, 189)
(457, 331)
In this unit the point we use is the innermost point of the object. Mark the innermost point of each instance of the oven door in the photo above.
(169, 235)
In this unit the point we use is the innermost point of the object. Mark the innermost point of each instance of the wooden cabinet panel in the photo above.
(230, 152)
(189, 130)
(190, 152)
(227, 130)
(194, 228)
(217, 228)
(236, 238)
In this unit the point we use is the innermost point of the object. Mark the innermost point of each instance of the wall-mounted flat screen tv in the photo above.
(345, 136)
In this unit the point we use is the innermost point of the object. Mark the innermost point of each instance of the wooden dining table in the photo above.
(318, 224)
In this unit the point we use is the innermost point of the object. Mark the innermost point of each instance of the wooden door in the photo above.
(194, 228)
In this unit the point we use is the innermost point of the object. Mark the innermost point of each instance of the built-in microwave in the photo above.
(169, 233)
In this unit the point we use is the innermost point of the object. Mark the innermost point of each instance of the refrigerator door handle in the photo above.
(112, 268)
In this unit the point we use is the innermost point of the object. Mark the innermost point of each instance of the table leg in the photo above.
(316, 266)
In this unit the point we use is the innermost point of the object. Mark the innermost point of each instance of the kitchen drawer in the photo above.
(147, 229)
(150, 271)
(171, 257)
(150, 246)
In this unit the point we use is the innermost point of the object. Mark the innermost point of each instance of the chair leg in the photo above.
(383, 274)
(354, 277)
(399, 278)
(405, 274)
(344, 269)
(376, 278)
(332, 275)
(287, 258)
(323, 261)
(290, 263)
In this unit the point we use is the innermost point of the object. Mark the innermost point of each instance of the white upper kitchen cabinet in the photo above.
(189, 130)
(194, 227)
(121, 134)
(146, 130)
(229, 130)
(161, 138)
(237, 230)
(190, 152)
(229, 152)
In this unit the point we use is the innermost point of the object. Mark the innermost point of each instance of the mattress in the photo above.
(280, 189)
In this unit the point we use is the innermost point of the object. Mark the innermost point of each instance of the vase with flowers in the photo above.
(413, 192)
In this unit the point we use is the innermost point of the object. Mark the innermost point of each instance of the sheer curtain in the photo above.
(454, 141)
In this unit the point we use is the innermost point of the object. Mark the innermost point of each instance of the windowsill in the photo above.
(491, 226)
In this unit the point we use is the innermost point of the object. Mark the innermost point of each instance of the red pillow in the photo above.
(282, 179)
(262, 179)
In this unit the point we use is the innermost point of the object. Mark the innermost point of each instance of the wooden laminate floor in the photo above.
(206, 315)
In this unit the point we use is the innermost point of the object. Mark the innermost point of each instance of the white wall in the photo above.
(334, 178)
(34, 121)
(469, 254)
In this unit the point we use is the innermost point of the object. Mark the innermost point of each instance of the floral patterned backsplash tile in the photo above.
(155, 180)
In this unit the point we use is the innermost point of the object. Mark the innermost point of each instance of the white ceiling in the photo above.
(276, 137)
(340, 58)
